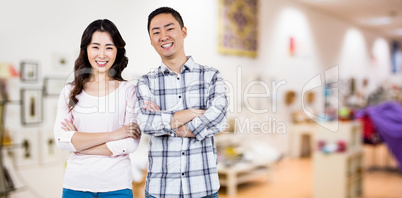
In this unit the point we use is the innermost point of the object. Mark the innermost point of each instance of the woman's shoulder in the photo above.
(128, 87)
(65, 92)
(129, 84)
(68, 87)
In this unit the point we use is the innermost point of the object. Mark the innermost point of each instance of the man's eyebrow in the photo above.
(169, 24)
(157, 28)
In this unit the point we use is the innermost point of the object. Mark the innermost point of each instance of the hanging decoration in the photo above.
(238, 27)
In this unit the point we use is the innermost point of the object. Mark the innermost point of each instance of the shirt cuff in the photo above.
(166, 120)
(64, 140)
(195, 126)
(121, 147)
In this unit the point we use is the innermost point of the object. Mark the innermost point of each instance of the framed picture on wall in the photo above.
(32, 108)
(28, 152)
(48, 151)
(29, 71)
(53, 85)
(62, 62)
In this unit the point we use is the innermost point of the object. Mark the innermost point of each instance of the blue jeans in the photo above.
(214, 195)
(125, 193)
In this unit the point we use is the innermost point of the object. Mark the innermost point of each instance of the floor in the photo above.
(293, 179)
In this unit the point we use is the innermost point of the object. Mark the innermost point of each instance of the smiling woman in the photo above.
(97, 33)
(95, 117)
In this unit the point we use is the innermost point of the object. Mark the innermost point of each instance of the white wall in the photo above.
(39, 30)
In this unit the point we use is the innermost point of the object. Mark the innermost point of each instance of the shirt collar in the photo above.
(189, 65)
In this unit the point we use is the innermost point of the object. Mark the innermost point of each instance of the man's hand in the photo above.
(182, 117)
(183, 131)
(151, 106)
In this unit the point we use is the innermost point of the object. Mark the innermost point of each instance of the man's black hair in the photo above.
(166, 10)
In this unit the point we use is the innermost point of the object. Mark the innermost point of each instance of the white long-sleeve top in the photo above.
(98, 173)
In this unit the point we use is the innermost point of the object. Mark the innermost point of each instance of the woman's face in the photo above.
(101, 52)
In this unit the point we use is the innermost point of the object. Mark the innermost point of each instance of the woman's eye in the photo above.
(109, 48)
(94, 47)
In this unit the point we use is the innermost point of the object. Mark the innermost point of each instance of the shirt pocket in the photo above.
(197, 95)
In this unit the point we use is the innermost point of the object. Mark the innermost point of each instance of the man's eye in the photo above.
(155, 33)
(170, 29)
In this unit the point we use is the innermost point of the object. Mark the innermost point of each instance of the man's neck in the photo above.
(175, 64)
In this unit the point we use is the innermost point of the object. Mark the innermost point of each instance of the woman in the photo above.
(95, 118)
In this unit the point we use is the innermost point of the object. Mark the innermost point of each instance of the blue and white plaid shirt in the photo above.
(182, 167)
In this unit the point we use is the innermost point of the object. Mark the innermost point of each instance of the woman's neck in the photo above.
(100, 77)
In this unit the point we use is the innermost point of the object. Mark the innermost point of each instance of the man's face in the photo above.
(166, 36)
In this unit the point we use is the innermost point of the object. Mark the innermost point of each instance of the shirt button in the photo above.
(124, 150)
(182, 153)
(182, 174)
(179, 96)
(178, 78)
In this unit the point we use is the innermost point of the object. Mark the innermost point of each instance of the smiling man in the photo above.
(181, 106)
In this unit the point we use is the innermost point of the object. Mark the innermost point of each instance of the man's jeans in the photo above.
(215, 195)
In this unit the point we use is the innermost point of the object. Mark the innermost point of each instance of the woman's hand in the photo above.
(130, 130)
(68, 126)
(134, 128)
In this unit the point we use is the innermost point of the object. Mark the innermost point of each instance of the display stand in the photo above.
(339, 174)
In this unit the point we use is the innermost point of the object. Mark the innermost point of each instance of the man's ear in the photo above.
(184, 31)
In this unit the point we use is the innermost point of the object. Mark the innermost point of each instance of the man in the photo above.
(181, 105)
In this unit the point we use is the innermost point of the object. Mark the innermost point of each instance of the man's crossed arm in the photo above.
(179, 119)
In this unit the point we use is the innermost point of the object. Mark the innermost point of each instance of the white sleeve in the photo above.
(127, 145)
(63, 138)
(123, 146)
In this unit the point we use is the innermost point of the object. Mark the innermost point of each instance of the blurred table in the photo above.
(242, 172)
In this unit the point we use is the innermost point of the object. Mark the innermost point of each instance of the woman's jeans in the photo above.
(125, 193)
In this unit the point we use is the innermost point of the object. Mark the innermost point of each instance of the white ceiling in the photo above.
(360, 12)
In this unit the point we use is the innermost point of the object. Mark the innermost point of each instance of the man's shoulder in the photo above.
(206, 68)
(155, 73)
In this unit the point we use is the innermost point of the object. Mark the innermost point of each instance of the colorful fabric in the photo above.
(238, 27)
(387, 118)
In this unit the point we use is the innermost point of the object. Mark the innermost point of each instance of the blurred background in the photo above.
(314, 89)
